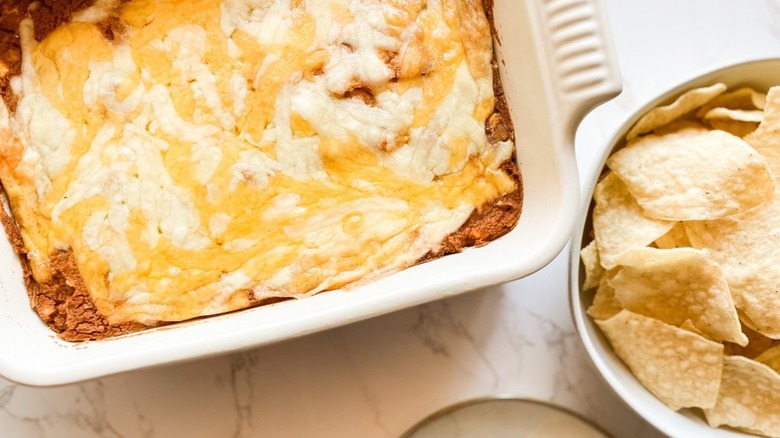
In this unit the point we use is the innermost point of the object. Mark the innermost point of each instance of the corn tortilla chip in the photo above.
(771, 358)
(679, 125)
(757, 343)
(734, 127)
(687, 233)
(619, 223)
(747, 247)
(605, 305)
(738, 122)
(684, 104)
(766, 138)
(693, 175)
(593, 269)
(681, 368)
(689, 326)
(674, 238)
(720, 113)
(675, 285)
(743, 98)
(749, 397)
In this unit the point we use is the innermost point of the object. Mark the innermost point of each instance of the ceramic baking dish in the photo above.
(556, 62)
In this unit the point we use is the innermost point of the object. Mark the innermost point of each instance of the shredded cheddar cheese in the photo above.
(280, 147)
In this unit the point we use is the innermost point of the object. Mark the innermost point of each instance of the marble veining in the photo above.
(379, 377)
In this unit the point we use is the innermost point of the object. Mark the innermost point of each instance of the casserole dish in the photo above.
(556, 64)
(758, 74)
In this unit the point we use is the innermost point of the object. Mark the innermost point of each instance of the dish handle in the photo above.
(557, 63)
(580, 57)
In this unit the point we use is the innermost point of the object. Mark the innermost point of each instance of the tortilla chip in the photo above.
(757, 343)
(738, 122)
(749, 397)
(769, 148)
(619, 223)
(593, 269)
(675, 238)
(766, 138)
(686, 309)
(693, 175)
(605, 305)
(684, 104)
(675, 285)
(733, 127)
(679, 125)
(771, 358)
(744, 99)
(720, 113)
(681, 368)
(689, 326)
(747, 247)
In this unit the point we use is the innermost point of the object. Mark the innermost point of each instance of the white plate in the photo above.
(504, 417)
(557, 63)
(760, 74)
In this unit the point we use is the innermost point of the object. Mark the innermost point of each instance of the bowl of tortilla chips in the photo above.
(675, 262)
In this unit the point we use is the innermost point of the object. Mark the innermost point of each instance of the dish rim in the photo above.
(563, 93)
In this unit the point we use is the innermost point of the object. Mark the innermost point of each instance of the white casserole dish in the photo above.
(759, 74)
(556, 62)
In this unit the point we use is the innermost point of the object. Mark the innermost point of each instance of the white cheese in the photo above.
(298, 157)
(218, 223)
(104, 78)
(497, 155)
(253, 168)
(170, 122)
(428, 152)
(188, 44)
(267, 62)
(227, 285)
(97, 12)
(281, 205)
(239, 91)
(439, 222)
(355, 52)
(373, 126)
(268, 21)
(104, 233)
(49, 134)
(136, 177)
(237, 245)
(206, 157)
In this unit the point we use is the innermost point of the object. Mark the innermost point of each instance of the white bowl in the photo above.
(760, 74)
(557, 63)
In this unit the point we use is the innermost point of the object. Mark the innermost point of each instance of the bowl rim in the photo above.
(504, 398)
(661, 421)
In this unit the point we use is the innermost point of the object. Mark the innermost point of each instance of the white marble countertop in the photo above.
(379, 377)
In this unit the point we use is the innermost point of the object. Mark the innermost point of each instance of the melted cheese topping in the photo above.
(282, 147)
